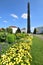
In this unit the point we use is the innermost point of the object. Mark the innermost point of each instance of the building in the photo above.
(14, 29)
(0, 29)
(28, 19)
(23, 30)
(39, 30)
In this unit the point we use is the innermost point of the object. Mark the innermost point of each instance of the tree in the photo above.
(9, 30)
(2, 30)
(34, 31)
(18, 30)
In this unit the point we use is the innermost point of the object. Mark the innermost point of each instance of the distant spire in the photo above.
(28, 19)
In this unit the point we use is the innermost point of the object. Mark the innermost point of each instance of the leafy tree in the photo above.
(9, 30)
(2, 30)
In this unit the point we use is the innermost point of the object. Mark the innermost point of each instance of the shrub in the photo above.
(18, 54)
(2, 37)
(3, 29)
(9, 30)
(23, 35)
(10, 38)
(19, 36)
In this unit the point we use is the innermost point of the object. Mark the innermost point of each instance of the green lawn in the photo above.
(37, 51)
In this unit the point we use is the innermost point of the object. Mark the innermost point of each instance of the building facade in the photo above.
(23, 30)
(39, 30)
(14, 29)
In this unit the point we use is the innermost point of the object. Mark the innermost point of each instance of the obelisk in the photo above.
(28, 19)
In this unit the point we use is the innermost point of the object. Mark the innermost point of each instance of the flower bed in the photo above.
(19, 53)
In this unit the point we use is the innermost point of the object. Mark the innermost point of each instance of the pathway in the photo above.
(40, 36)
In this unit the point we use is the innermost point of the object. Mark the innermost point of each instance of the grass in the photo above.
(37, 51)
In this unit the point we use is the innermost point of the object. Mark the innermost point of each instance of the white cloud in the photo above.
(0, 17)
(24, 16)
(14, 16)
(5, 21)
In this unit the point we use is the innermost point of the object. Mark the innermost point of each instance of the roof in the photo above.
(0, 28)
(23, 29)
(40, 27)
(13, 26)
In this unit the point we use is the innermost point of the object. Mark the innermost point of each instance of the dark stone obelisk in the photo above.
(28, 19)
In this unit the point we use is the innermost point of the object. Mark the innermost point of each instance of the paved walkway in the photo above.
(40, 36)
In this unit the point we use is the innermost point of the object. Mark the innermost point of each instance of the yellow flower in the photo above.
(8, 59)
(7, 64)
(14, 62)
(3, 55)
(10, 63)
(22, 55)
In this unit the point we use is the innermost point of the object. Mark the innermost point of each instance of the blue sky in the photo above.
(14, 13)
